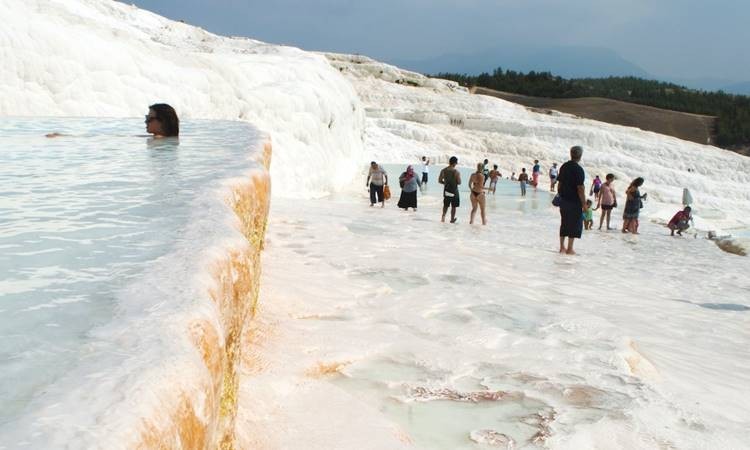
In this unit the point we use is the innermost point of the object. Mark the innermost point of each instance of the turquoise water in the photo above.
(84, 215)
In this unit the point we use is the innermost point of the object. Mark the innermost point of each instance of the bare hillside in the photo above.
(690, 127)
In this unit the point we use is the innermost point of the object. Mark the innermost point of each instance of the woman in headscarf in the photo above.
(410, 183)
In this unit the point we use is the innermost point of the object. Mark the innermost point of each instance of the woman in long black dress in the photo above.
(410, 183)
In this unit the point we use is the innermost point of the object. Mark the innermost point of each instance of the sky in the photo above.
(688, 39)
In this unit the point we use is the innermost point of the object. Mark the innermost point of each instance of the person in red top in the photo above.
(681, 221)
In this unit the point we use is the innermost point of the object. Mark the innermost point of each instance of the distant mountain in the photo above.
(566, 61)
(738, 88)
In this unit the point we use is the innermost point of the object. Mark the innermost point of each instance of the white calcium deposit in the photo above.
(384, 330)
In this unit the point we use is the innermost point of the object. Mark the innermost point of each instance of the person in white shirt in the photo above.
(425, 163)
(376, 180)
(552, 177)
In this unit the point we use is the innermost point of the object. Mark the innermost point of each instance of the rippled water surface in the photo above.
(82, 216)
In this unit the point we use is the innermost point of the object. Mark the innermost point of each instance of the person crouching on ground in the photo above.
(572, 199)
(476, 186)
(681, 221)
(162, 121)
(376, 179)
(410, 183)
(450, 178)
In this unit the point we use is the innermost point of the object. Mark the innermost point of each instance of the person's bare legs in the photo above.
(625, 225)
(570, 251)
(562, 244)
(474, 204)
(453, 214)
(632, 227)
(601, 219)
(445, 210)
(609, 215)
(482, 204)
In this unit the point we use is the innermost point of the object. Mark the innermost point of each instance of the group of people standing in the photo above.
(576, 210)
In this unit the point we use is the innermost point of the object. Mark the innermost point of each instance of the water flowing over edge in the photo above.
(236, 277)
(164, 372)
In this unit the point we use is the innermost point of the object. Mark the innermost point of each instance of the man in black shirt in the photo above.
(450, 178)
(572, 192)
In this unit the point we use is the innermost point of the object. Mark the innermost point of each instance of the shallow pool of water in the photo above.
(459, 335)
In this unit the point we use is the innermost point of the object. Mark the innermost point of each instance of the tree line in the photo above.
(732, 112)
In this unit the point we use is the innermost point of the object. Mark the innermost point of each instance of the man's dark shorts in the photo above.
(451, 201)
(571, 218)
(424, 177)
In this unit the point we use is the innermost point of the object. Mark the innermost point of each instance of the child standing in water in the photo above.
(596, 186)
(522, 180)
(588, 216)
(607, 200)
(494, 176)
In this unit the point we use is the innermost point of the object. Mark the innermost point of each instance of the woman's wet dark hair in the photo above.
(170, 123)
(637, 182)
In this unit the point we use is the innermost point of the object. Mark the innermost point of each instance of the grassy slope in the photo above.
(690, 127)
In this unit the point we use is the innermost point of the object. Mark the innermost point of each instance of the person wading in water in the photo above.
(572, 200)
(450, 178)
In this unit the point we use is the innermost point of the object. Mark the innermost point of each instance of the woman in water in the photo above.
(633, 206)
(162, 121)
(409, 184)
(476, 184)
